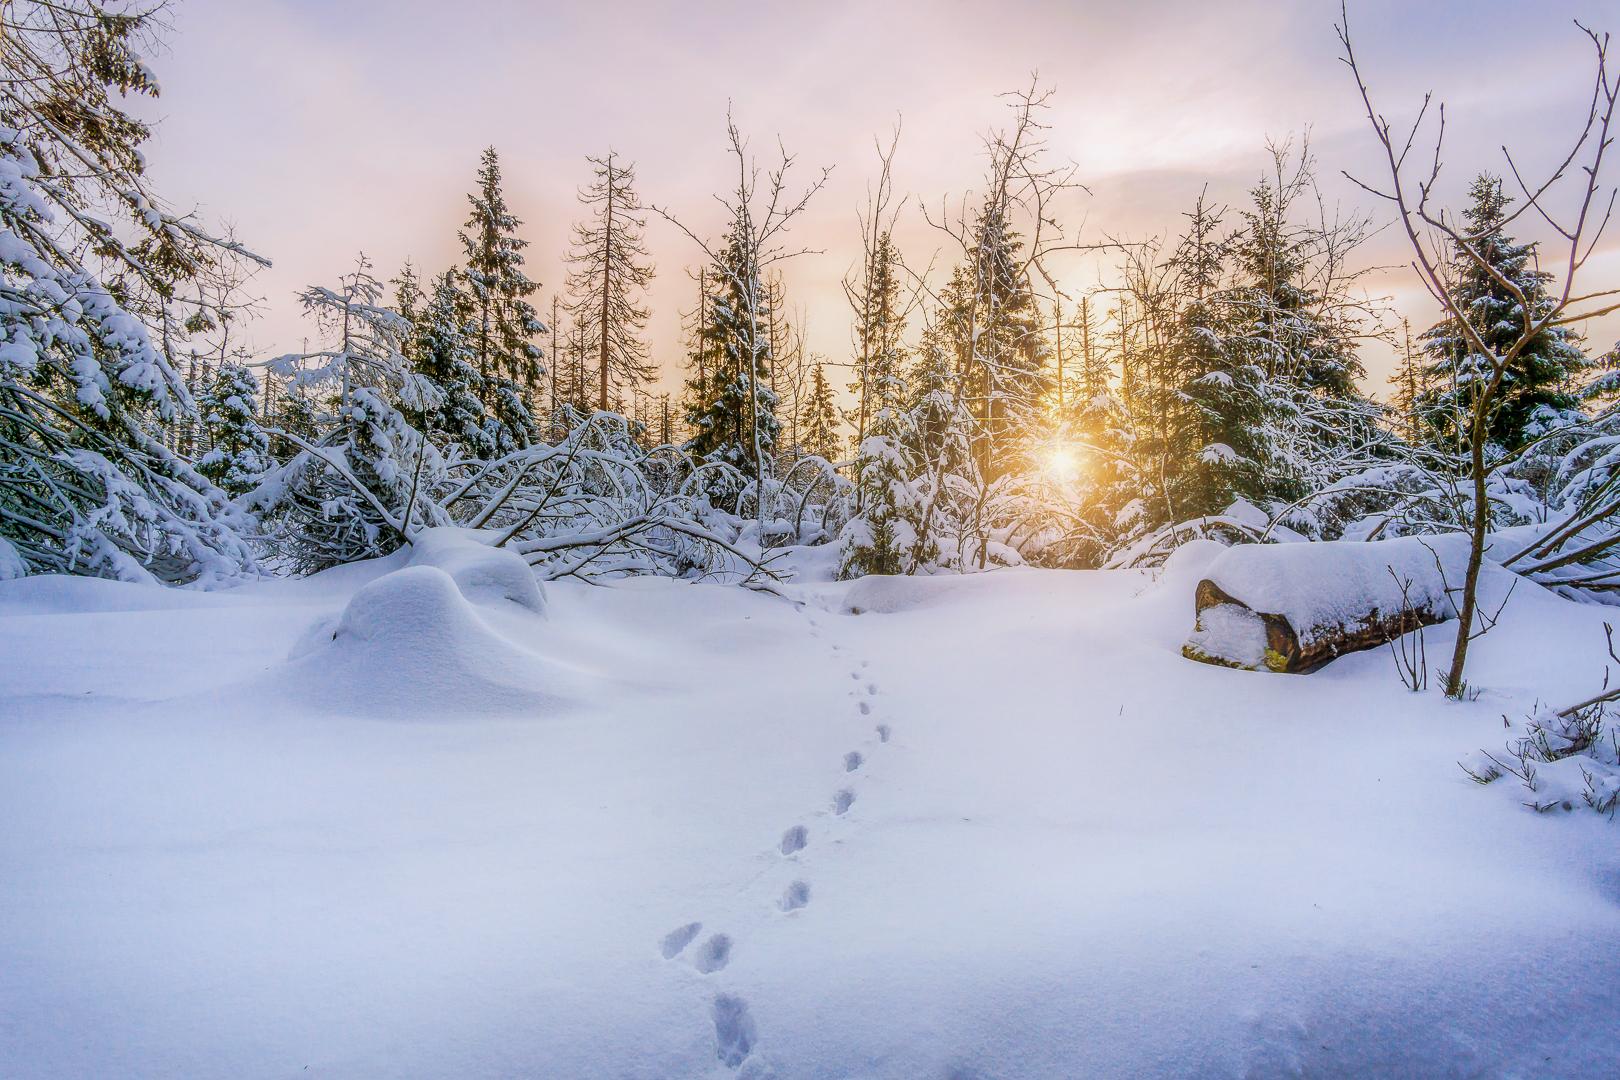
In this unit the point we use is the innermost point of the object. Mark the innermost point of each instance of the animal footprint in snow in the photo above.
(795, 839)
(871, 688)
(714, 955)
(866, 708)
(678, 939)
(883, 732)
(843, 801)
(796, 896)
(733, 1029)
(853, 761)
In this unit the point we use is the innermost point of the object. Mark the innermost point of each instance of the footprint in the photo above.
(855, 675)
(678, 939)
(866, 663)
(841, 804)
(714, 955)
(871, 688)
(733, 1029)
(883, 732)
(796, 896)
(866, 708)
(853, 761)
(795, 839)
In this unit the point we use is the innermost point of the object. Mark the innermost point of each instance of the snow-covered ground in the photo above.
(992, 826)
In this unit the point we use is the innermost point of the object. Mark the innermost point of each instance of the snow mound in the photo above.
(481, 572)
(1188, 563)
(409, 645)
(1323, 587)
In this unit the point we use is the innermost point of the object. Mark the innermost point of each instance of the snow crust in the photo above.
(1029, 840)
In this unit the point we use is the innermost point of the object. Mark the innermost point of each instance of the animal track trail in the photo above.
(734, 1031)
(796, 896)
(883, 732)
(795, 839)
(678, 939)
(714, 955)
(853, 760)
(866, 708)
(842, 801)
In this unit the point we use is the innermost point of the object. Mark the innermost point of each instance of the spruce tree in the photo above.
(441, 351)
(239, 450)
(504, 322)
(733, 419)
(820, 419)
(879, 324)
(100, 284)
(1542, 384)
(1007, 377)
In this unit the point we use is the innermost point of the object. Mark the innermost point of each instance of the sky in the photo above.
(319, 130)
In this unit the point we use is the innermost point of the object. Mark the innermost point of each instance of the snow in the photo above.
(992, 826)
(1321, 587)
(479, 570)
(1231, 634)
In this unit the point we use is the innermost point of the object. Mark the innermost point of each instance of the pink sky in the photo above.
(322, 129)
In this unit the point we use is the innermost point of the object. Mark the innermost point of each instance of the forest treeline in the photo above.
(990, 414)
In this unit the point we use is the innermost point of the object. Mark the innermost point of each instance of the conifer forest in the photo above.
(1048, 541)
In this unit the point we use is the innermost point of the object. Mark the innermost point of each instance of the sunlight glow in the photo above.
(1062, 463)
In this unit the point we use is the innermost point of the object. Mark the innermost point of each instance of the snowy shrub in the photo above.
(1563, 759)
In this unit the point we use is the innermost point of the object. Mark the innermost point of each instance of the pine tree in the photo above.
(609, 271)
(441, 351)
(734, 416)
(1280, 321)
(504, 322)
(1542, 383)
(1007, 380)
(95, 275)
(879, 324)
(239, 450)
(820, 419)
(1217, 451)
(882, 538)
(1409, 381)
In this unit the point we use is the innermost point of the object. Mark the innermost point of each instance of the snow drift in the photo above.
(481, 572)
(413, 643)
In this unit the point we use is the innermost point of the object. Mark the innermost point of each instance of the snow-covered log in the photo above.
(1294, 607)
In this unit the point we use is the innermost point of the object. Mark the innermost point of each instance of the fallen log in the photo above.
(1295, 607)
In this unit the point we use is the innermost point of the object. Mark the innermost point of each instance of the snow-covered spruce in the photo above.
(86, 485)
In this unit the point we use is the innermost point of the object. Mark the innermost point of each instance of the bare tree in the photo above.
(1432, 231)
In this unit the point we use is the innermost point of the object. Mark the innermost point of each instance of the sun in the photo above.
(1062, 463)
